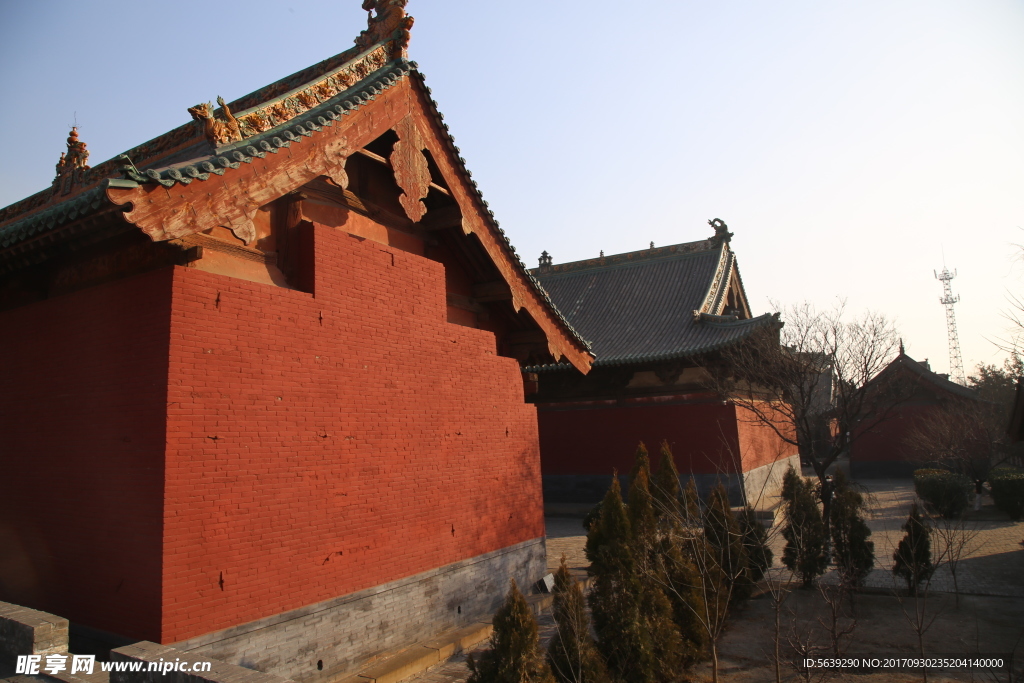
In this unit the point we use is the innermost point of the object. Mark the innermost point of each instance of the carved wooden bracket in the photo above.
(336, 153)
(412, 173)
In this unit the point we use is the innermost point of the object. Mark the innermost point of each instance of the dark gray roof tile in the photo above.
(650, 305)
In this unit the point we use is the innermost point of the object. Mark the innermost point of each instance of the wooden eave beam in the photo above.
(525, 337)
(442, 218)
(496, 290)
(381, 160)
(228, 200)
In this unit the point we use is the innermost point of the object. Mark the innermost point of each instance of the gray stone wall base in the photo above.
(576, 488)
(26, 631)
(760, 485)
(152, 653)
(345, 633)
(763, 485)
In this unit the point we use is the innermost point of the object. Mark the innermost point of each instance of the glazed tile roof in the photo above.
(300, 105)
(651, 305)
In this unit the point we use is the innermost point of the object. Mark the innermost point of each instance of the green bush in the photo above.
(854, 554)
(804, 532)
(946, 492)
(515, 655)
(1008, 491)
(913, 557)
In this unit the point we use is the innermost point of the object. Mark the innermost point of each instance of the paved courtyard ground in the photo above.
(989, 618)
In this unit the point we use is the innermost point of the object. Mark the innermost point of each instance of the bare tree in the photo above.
(779, 586)
(966, 436)
(711, 550)
(805, 643)
(914, 602)
(837, 622)
(810, 381)
(956, 540)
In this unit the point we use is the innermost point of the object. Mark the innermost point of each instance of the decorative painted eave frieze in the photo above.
(385, 39)
(326, 156)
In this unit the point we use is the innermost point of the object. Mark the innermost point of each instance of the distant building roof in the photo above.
(924, 372)
(655, 304)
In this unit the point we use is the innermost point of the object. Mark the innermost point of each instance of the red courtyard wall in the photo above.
(82, 400)
(760, 444)
(598, 438)
(886, 440)
(319, 444)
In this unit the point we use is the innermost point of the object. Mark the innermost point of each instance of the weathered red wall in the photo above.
(319, 444)
(761, 445)
(596, 439)
(886, 441)
(82, 406)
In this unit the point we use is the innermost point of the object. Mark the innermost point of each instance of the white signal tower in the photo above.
(956, 364)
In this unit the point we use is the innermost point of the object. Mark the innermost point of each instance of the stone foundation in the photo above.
(760, 486)
(337, 636)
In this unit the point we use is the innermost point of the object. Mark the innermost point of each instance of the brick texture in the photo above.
(581, 446)
(323, 641)
(82, 403)
(25, 631)
(192, 452)
(320, 444)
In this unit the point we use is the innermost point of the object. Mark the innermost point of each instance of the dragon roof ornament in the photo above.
(386, 20)
(722, 233)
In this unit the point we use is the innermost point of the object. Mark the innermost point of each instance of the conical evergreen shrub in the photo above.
(515, 655)
(655, 607)
(912, 560)
(641, 461)
(755, 543)
(687, 600)
(722, 532)
(804, 532)
(790, 482)
(615, 597)
(665, 488)
(691, 505)
(643, 522)
(572, 655)
(853, 553)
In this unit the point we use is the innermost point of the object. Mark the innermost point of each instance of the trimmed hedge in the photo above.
(946, 492)
(1008, 491)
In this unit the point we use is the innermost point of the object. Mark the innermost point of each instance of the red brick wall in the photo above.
(759, 443)
(319, 444)
(82, 405)
(594, 440)
(886, 440)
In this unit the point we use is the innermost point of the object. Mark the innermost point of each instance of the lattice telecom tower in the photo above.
(956, 364)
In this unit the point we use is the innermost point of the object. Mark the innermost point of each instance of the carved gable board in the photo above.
(227, 192)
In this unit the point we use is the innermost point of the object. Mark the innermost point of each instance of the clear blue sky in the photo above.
(846, 144)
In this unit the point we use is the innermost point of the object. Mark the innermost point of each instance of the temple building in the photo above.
(263, 395)
(657, 319)
(923, 399)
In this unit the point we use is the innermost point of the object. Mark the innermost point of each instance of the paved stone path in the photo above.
(993, 563)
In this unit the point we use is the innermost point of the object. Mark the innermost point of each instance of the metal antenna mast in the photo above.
(956, 364)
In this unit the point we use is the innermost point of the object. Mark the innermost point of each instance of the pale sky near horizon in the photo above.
(849, 146)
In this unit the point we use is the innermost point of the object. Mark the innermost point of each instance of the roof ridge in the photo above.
(938, 379)
(711, 298)
(628, 258)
